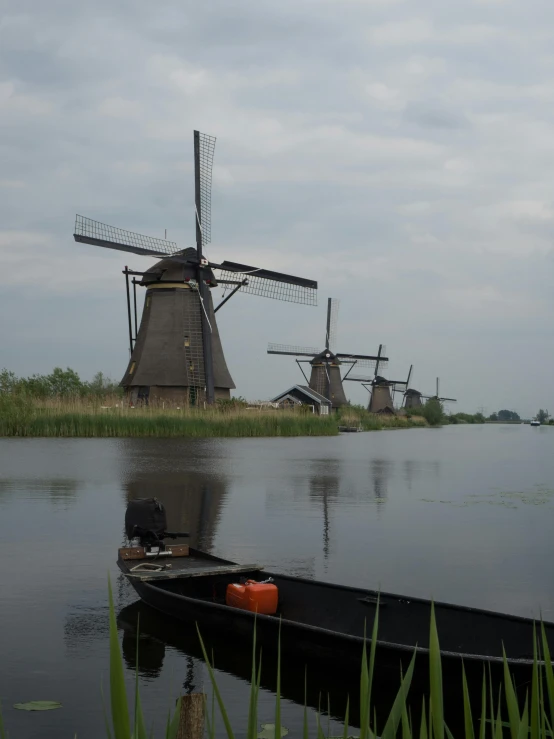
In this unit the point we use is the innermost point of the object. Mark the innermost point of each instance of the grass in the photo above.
(27, 417)
(492, 719)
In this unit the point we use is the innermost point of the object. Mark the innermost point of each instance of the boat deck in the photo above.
(179, 565)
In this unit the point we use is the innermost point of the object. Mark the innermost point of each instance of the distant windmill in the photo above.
(325, 377)
(380, 400)
(176, 354)
(438, 397)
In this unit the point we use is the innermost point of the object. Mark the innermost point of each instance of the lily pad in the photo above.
(268, 731)
(38, 706)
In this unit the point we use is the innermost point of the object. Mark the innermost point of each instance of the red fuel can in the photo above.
(258, 597)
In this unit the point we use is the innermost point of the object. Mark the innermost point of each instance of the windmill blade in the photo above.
(269, 284)
(88, 231)
(451, 400)
(409, 376)
(332, 317)
(298, 351)
(437, 387)
(203, 165)
(364, 360)
(359, 378)
(382, 351)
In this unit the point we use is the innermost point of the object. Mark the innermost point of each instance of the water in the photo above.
(462, 514)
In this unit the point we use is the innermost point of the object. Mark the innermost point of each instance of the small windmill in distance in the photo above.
(325, 377)
(437, 396)
(176, 354)
(379, 387)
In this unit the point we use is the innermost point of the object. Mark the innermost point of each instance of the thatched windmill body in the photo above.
(176, 354)
(325, 373)
(380, 389)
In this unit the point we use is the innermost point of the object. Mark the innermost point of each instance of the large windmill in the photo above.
(379, 387)
(325, 377)
(176, 355)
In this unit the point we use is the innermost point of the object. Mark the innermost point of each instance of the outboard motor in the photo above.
(145, 520)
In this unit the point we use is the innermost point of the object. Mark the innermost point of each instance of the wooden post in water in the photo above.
(191, 718)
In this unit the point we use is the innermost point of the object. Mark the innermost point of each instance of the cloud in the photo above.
(402, 156)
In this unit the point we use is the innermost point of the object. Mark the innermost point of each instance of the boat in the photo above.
(535, 423)
(327, 621)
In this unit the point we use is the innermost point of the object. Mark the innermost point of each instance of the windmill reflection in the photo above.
(193, 501)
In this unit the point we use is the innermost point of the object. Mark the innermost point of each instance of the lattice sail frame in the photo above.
(370, 363)
(206, 157)
(90, 229)
(333, 319)
(274, 289)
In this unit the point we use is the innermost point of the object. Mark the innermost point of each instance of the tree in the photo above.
(433, 412)
(493, 417)
(505, 415)
(542, 416)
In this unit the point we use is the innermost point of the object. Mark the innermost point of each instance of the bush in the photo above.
(433, 412)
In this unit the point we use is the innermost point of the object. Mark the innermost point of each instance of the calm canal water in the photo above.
(463, 514)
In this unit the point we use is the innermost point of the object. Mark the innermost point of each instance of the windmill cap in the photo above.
(169, 270)
(325, 356)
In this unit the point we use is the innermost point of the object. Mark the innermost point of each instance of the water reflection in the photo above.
(58, 490)
(193, 501)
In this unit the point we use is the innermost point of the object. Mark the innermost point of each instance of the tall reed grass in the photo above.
(21, 415)
(496, 715)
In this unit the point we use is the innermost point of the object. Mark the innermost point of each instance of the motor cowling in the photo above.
(145, 516)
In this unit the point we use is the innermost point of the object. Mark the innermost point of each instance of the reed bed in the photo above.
(110, 417)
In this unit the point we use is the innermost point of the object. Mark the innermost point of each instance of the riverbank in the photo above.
(23, 417)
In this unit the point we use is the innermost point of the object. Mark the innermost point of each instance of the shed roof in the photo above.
(306, 391)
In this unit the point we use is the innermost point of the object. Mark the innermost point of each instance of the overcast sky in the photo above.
(400, 153)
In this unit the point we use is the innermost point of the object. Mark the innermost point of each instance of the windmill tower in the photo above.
(325, 377)
(176, 354)
(412, 397)
(379, 387)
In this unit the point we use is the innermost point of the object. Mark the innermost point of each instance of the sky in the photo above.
(399, 153)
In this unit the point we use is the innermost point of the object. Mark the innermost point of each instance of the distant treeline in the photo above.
(58, 384)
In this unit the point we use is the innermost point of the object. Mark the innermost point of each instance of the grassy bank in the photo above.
(32, 417)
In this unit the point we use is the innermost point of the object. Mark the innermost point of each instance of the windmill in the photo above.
(379, 387)
(325, 377)
(437, 396)
(407, 390)
(176, 354)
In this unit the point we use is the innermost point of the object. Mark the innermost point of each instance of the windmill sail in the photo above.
(92, 232)
(206, 148)
(269, 284)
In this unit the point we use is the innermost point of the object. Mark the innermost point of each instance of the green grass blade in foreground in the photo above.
(535, 718)
(468, 718)
(423, 734)
(435, 677)
(391, 725)
(548, 670)
(216, 690)
(511, 698)
(118, 694)
(252, 729)
(524, 721)
(346, 719)
(105, 712)
(483, 724)
(366, 680)
(140, 728)
(498, 724)
(173, 723)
